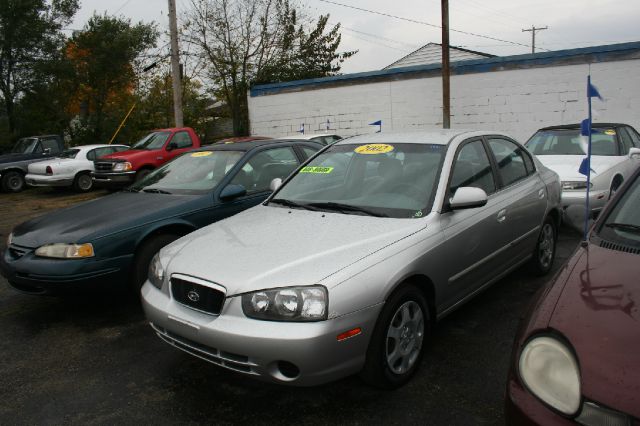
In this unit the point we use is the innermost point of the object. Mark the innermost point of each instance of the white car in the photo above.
(323, 138)
(562, 149)
(72, 167)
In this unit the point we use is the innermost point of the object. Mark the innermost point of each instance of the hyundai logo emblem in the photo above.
(193, 296)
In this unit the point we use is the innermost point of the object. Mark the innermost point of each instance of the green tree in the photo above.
(248, 41)
(104, 57)
(30, 32)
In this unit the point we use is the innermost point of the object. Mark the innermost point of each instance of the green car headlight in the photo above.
(287, 304)
(66, 251)
(550, 371)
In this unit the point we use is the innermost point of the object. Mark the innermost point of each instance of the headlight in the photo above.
(66, 251)
(287, 304)
(9, 238)
(575, 185)
(550, 372)
(122, 167)
(156, 272)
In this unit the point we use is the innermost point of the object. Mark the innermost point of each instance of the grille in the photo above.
(16, 252)
(240, 363)
(192, 293)
(103, 166)
(619, 247)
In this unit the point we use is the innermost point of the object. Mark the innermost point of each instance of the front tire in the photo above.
(13, 181)
(83, 182)
(143, 257)
(398, 340)
(141, 174)
(545, 251)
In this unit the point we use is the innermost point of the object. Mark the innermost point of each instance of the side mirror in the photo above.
(275, 184)
(172, 146)
(468, 197)
(232, 191)
(46, 151)
(634, 153)
(595, 214)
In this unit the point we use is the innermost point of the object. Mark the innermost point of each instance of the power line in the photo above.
(415, 21)
(122, 7)
(533, 30)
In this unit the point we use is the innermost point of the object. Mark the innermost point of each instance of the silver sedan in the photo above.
(356, 256)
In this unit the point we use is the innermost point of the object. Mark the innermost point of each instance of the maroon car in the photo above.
(576, 359)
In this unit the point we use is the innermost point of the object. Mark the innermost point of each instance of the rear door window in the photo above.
(510, 159)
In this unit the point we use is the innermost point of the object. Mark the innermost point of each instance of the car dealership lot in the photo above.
(94, 360)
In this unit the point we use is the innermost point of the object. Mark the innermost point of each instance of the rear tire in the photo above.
(144, 254)
(83, 182)
(13, 181)
(545, 251)
(398, 341)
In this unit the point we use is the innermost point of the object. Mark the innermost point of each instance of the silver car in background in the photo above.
(347, 266)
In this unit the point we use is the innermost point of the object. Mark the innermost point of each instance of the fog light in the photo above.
(288, 369)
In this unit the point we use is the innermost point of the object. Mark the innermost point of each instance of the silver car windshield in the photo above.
(389, 180)
(192, 173)
(570, 142)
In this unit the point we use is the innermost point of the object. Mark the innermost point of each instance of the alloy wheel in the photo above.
(545, 246)
(404, 337)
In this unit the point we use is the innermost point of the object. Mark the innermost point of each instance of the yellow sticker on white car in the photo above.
(316, 169)
(610, 132)
(202, 154)
(374, 148)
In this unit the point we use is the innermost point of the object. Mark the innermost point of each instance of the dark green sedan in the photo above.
(110, 241)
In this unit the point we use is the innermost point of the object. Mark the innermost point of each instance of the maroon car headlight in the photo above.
(550, 371)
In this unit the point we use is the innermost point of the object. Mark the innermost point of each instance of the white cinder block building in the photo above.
(517, 94)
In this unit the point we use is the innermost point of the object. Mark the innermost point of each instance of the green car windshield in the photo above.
(387, 180)
(570, 142)
(192, 173)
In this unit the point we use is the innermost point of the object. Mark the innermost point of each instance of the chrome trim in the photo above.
(206, 353)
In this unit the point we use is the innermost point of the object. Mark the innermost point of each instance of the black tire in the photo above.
(381, 369)
(144, 254)
(545, 252)
(83, 182)
(13, 181)
(141, 174)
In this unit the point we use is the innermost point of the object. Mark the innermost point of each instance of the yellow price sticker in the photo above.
(610, 132)
(316, 169)
(202, 154)
(374, 148)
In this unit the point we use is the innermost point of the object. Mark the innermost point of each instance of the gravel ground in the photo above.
(94, 360)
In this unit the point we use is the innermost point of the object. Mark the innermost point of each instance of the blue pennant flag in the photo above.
(584, 127)
(585, 167)
(376, 123)
(592, 91)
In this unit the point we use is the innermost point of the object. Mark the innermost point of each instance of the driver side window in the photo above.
(182, 140)
(258, 172)
(472, 168)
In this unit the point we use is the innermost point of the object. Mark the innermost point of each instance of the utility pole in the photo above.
(175, 65)
(446, 94)
(533, 30)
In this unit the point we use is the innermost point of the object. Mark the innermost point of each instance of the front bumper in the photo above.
(301, 354)
(574, 202)
(43, 180)
(114, 178)
(31, 274)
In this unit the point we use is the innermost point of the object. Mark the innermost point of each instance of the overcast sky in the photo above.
(382, 40)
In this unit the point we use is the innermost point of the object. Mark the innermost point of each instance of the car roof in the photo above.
(307, 136)
(246, 146)
(577, 126)
(95, 145)
(435, 136)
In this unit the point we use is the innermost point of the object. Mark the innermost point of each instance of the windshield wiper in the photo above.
(344, 208)
(130, 190)
(155, 191)
(629, 227)
(293, 204)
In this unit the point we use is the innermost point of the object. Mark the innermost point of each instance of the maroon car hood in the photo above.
(599, 313)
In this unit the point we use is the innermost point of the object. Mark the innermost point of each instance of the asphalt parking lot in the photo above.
(94, 360)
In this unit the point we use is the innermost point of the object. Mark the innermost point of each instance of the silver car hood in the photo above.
(268, 246)
(566, 166)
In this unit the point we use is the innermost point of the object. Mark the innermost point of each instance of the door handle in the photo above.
(541, 193)
(502, 215)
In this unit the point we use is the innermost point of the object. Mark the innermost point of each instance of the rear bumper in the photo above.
(36, 275)
(42, 180)
(114, 178)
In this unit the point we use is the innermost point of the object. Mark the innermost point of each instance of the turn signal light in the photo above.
(348, 334)
(49, 170)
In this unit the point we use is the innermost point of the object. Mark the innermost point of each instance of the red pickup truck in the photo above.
(148, 153)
